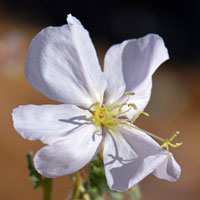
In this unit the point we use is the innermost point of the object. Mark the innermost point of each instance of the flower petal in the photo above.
(63, 65)
(69, 154)
(168, 170)
(48, 123)
(130, 155)
(130, 65)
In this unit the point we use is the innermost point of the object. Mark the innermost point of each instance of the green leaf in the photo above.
(33, 174)
(38, 180)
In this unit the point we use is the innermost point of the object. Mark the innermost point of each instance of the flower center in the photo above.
(105, 116)
(112, 115)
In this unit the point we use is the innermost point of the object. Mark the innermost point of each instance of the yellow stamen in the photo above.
(137, 115)
(132, 105)
(113, 115)
(146, 114)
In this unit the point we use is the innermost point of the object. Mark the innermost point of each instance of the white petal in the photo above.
(168, 170)
(130, 65)
(48, 123)
(62, 64)
(70, 154)
(129, 156)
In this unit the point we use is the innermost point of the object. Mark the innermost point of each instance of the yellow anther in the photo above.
(129, 93)
(145, 114)
(167, 143)
(132, 105)
(121, 106)
(137, 115)
(121, 113)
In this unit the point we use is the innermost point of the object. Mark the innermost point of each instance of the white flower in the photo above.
(99, 107)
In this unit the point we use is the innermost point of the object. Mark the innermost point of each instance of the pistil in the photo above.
(112, 116)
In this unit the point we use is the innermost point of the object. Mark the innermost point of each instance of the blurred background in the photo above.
(175, 97)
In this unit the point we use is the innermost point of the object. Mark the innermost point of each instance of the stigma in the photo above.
(168, 142)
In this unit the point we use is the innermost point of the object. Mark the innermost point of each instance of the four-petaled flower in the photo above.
(99, 107)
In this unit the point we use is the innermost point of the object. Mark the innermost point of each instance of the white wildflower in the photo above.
(99, 107)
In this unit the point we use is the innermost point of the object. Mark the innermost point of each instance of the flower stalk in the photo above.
(47, 188)
(76, 186)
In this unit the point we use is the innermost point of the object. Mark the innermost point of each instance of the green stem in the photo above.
(76, 187)
(47, 188)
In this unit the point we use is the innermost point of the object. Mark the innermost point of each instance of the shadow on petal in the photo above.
(128, 162)
(79, 120)
(124, 174)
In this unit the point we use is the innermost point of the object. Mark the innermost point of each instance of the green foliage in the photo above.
(96, 185)
(38, 179)
(33, 174)
(93, 187)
